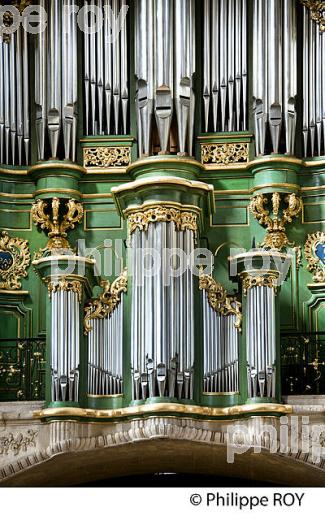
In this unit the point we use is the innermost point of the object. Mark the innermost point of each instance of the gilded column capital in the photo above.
(183, 219)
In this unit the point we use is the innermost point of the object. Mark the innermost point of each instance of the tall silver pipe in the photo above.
(208, 46)
(305, 124)
(54, 75)
(215, 78)
(13, 96)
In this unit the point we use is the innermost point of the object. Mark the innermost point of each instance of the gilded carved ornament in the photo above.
(225, 153)
(64, 285)
(218, 299)
(315, 255)
(107, 301)
(50, 217)
(317, 11)
(275, 237)
(249, 281)
(14, 261)
(182, 219)
(107, 157)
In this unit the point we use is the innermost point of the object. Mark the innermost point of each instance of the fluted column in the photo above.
(261, 273)
(66, 278)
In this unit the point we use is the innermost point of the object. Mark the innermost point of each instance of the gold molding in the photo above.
(152, 181)
(218, 299)
(107, 302)
(206, 411)
(109, 396)
(12, 171)
(15, 260)
(63, 191)
(289, 186)
(57, 165)
(65, 285)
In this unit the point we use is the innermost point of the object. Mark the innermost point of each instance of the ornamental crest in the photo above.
(14, 260)
(315, 255)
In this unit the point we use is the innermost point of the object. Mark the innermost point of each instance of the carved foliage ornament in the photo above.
(276, 237)
(17, 444)
(65, 285)
(317, 11)
(225, 153)
(269, 280)
(107, 302)
(56, 221)
(218, 299)
(14, 260)
(315, 255)
(182, 219)
(107, 157)
(8, 16)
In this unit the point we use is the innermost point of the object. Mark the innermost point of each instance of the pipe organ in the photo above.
(162, 316)
(168, 121)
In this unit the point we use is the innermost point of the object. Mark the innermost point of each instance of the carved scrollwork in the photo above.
(182, 219)
(14, 260)
(225, 153)
(317, 11)
(107, 301)
(315, 255)
(218, 299)
(107, 157)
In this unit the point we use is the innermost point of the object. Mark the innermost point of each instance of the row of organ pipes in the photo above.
(162, 316)
(165, 64)
(65, 345)
(105, 353)
(14, 99)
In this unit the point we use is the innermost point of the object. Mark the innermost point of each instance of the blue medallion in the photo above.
(320, 251)
(6, 260)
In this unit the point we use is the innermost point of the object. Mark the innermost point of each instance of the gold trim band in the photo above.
(84, 413)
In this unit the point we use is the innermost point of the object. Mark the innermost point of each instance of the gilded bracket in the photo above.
(249, 281)
(14, 260)
(276, 237)
(218, 299)
(107, 301)
(56, 222)
(64, 285)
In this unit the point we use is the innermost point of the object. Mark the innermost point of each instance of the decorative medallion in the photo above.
(262, 205)
(107, 157)
(218, 299)
(14, 260)
(107, 301)
(225, 153)
(182, 219)
(317, 11)
(315, 255)
(57, 220)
